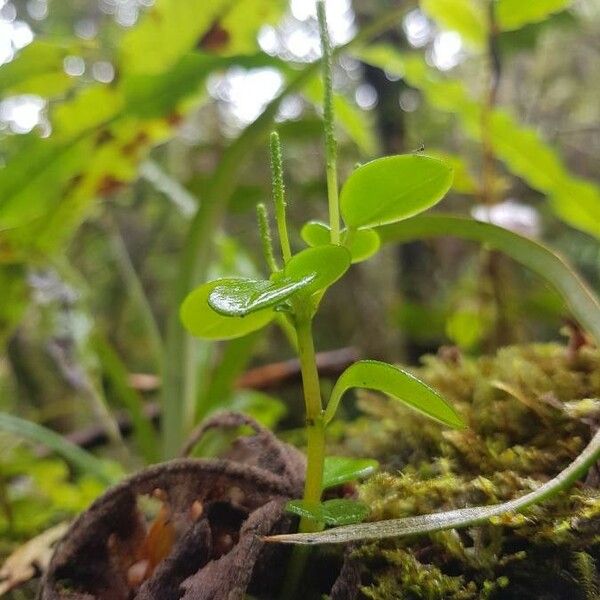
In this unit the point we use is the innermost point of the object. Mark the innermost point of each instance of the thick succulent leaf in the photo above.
(337, 512)
(240, 297)
(312, 270)
(393, 381)
(323, 264)
(204, 322)
(340, 469)
(393, 188)
(362, 244)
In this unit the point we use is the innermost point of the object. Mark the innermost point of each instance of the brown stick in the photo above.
(267, 377)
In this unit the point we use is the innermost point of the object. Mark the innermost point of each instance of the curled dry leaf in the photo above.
(205, 539)
(30, 558)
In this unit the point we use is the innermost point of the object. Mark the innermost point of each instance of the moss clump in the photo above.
(530, 410)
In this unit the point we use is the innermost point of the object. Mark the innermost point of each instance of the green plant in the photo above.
(375, 205)
(378, 193)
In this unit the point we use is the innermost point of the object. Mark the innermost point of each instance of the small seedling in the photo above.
(380, 192)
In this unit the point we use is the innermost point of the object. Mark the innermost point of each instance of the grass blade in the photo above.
(79, 458)
(531, 254)
(143, 432)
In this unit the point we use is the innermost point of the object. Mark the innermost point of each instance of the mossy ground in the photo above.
(530, 410)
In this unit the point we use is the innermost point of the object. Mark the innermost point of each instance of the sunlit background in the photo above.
(243, 93)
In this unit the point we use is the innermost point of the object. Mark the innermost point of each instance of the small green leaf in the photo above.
(362, 244)
(375, 375)
(324, 264)
(340, 511)
(340, 469)
(316, 233)
(202, 321)
(312, 270)
(239, 297)
(393, 188)
(468, 326)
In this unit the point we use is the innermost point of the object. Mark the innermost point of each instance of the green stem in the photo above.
(315, 427)
(179, 358)
(328, 119)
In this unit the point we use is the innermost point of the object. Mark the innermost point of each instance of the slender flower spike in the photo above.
(264, 228)
(328, 120)
(279, 195)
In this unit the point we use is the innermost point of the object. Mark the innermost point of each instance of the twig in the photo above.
(267, 377)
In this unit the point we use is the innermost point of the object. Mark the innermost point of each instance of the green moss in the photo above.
(530, 410)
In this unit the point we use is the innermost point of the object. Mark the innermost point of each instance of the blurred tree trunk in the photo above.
(398, 276)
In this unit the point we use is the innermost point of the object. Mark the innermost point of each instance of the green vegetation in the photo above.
(383, 191)
(137, 139)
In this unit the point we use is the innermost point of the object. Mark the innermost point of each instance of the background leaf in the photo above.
(513, 14)
(466, 17)
(38, 69)
(574, 199)
(79, 458)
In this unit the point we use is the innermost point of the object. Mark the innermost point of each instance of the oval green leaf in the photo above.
(393, 381)
(362, 244)
(204, 322)
(336, 512)
(323, 264)
(393, 188)
(316, 233)
(341, 469)
(240, 297)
